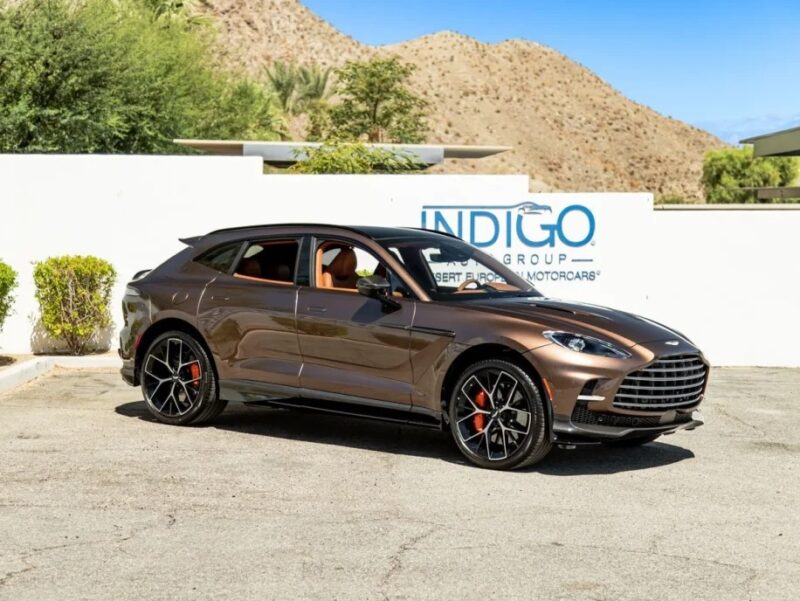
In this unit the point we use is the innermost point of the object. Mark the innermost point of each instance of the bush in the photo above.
(353, 158)
(727, 171)
(74, 294)
(672, 199)
(8, 281)
(126, 76)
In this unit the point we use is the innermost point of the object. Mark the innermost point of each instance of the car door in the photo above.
(248, 316)
(354, 347)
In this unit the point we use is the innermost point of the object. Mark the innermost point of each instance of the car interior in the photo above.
(339, 266)
(271, 261)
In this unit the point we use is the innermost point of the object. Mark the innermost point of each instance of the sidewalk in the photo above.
(29, 367)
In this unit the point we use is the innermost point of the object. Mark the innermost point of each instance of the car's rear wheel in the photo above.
(178, 380)
(636, 441)
(497, 416)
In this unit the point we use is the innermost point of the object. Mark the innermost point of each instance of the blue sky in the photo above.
(732, 67)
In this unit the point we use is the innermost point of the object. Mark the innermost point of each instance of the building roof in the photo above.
(780, 143)
(283, 154)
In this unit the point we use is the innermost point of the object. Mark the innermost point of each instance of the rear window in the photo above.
(220, 258)
(272, 261)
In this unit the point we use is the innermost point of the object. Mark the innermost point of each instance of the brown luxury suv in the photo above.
(400, 324)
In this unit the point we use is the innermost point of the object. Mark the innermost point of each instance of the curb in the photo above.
(24, 372)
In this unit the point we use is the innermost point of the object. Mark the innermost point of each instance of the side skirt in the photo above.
(289, 397)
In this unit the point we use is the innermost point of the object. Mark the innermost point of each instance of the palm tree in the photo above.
(175, 10)
(314, 88)
(282, 79)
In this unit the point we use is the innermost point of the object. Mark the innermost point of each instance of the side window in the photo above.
(339, 265)
(220, 258)
(271, 261)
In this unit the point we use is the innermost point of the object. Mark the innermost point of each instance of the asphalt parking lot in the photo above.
(97, 501)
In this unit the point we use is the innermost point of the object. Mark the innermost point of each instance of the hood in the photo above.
(621, 327)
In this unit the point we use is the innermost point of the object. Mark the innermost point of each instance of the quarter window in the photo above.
(220, 258)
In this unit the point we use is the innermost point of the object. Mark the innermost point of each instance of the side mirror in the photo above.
(377, 287)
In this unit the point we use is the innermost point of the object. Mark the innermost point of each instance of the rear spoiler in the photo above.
(191, 241)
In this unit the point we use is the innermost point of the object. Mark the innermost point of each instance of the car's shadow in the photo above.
(420, 442)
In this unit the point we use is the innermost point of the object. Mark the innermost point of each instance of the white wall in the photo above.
(729, 279)
(131, 210)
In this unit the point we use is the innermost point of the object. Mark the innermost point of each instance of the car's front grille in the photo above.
(582, 415)
(672, 382)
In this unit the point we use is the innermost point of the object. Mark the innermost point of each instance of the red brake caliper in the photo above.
(479, 421)
(194, 369)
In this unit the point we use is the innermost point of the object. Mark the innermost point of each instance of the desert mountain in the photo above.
(570, 130)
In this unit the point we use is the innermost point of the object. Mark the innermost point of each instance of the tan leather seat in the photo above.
(250, 268)
(341, 273)
(279, 272)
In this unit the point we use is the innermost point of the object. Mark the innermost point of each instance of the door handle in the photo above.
(316, 309)
(217, 297)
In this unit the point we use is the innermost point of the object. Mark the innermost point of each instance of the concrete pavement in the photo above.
(97, 501)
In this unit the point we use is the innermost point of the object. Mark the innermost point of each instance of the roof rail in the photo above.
(275, 225)
(425, 229)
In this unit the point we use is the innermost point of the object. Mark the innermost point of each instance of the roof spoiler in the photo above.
(191, 240)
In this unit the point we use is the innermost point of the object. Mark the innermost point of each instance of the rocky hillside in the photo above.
(569, 129)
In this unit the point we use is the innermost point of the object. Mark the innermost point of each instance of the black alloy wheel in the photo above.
(497, 416)
(178, 380)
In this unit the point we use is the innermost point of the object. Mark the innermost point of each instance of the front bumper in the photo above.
(565, 431)
(582, 389)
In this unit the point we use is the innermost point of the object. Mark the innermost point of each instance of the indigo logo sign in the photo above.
(542, 243)
(527, 223)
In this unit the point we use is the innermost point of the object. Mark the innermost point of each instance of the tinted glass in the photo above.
(222, 257)
(269, 260)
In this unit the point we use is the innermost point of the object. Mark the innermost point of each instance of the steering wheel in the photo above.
(463, 285)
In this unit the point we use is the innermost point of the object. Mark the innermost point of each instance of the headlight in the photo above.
(586, 344)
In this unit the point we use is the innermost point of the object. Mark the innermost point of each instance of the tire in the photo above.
(490, 402)
(179, 383)
(632, 442)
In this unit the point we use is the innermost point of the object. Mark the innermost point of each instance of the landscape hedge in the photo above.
(74, 294)
(8, 281)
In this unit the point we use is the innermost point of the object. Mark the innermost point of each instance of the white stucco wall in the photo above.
(729, 279)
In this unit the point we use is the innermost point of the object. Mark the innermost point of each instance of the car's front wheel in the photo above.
(497, 416)
(178, 380)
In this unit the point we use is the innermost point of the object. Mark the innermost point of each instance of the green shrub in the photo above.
(727, 171)
(672, 199)
(74, 293)
(8, 281)
(353, 158)
(126, 76)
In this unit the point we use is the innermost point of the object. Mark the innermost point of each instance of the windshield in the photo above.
(450, 269)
